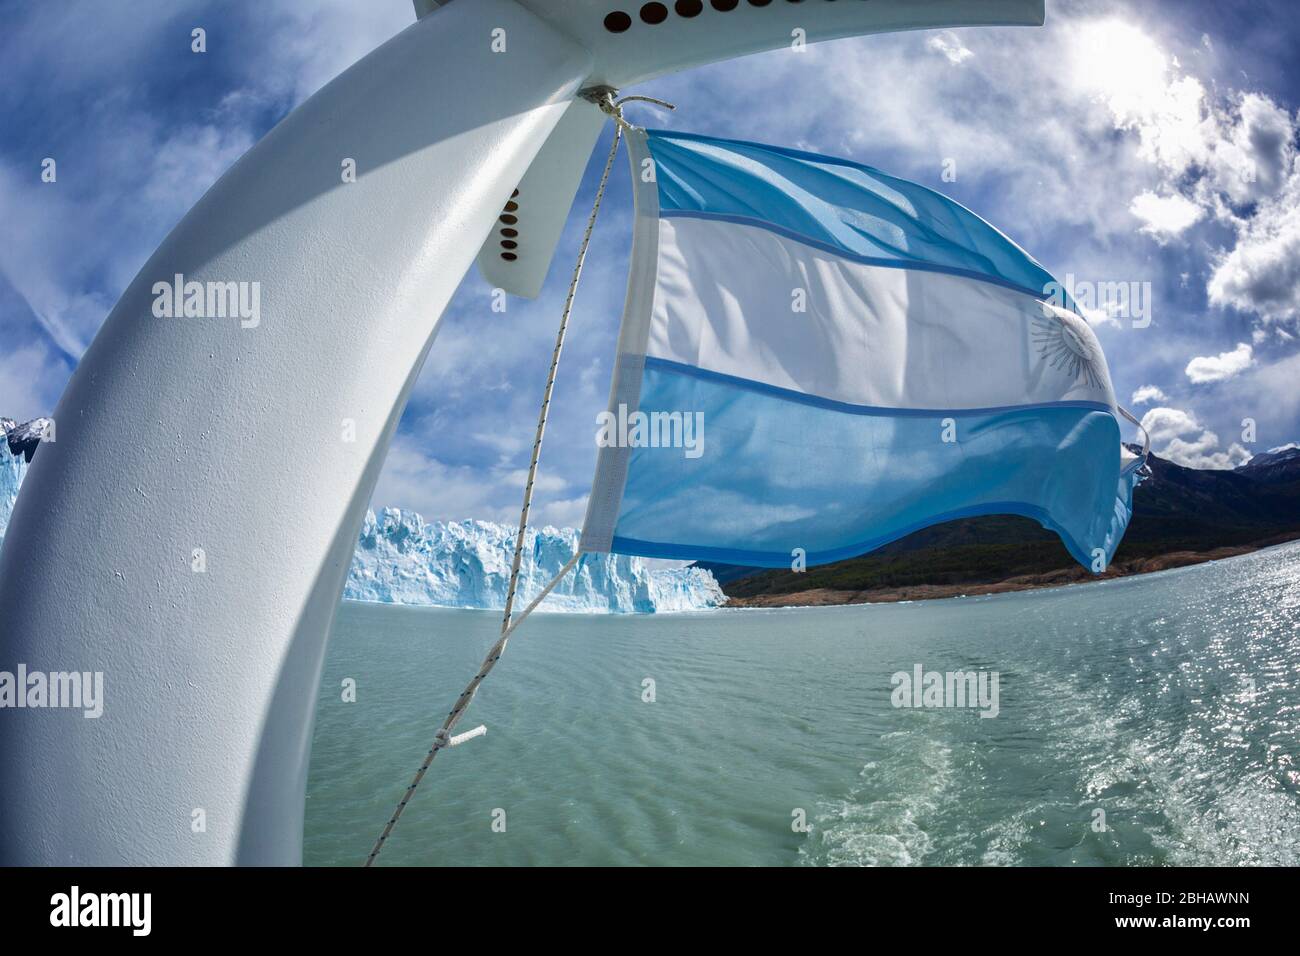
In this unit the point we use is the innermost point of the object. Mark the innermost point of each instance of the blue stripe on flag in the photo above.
(776, 474)
(914, 265)
(846, 207)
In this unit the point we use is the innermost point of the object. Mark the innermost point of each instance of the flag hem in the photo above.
(633, 339)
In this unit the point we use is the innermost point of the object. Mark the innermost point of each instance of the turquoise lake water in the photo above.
(1170, 702)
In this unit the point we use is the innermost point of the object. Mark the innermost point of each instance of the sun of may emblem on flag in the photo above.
(1068, 344)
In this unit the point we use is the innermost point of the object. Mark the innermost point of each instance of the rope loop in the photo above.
(607, 98)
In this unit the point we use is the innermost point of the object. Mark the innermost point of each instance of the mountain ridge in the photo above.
(1180, 516)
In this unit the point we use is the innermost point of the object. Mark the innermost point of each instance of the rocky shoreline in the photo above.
(821, 597)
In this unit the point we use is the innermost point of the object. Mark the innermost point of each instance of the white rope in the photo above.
(442, 739)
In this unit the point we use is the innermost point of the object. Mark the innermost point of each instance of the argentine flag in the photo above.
(816, 359)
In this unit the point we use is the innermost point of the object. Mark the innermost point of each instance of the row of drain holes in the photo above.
(653, 13)
(510, 234)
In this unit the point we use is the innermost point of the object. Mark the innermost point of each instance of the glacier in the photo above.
(403, 559)
(13, 468)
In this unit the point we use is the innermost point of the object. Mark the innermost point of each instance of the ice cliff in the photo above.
(17, 444)
(402, 559)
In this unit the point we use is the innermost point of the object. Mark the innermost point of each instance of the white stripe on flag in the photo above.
(728, 299)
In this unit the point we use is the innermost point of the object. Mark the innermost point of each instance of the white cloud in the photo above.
(1256, 163)
(189, 160)
(414, 480)
(1230, 155)
(1177, 436)
(126, 174)
(1147, 394)
(1141, 85)
(1212, 146)
(1099, 317)
(1165, 424)
(1219, 368)
(1164, 216)
(123, 181)
(46, 227)
(563, 513)
(543, 483)
(950, 46)
(1251, 157)
(310, 44)
(25, 387)
(1262, 274)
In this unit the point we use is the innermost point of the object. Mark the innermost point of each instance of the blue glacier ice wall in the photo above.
(12, 470)
(402, 559)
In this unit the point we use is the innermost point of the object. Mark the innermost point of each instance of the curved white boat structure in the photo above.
(210, 677)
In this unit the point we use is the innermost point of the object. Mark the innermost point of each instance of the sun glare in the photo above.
(1120, 63)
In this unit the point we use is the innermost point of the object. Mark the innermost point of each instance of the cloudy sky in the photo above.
(1145, 143)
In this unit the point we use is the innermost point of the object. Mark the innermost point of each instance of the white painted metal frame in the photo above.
(262, 444)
